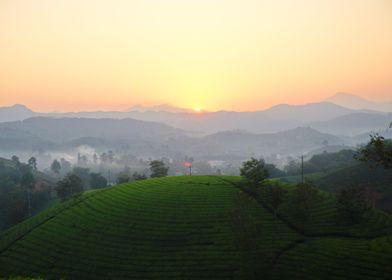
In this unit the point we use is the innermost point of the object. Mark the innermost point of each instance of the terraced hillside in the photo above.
(184, 227)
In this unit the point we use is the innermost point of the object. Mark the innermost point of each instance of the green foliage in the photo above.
(273, 171)
(377, 178)
(378, 151)
(32, 162)
(194, 227)
(352, 204)
(97, 181)
(84, 174)
(69, 185)
(184, 226)
(158, 169)
(322, 162)
(17, 192)
(138, 176)
(123, 178)
(27, 180)
(254, 170)
(299, 203)
(55, 166)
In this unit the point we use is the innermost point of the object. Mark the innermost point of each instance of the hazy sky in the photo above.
(72, 55)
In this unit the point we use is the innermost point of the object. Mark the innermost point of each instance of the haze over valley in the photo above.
(198, 139)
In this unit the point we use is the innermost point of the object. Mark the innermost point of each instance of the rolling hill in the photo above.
(188, 228)
(378, 178)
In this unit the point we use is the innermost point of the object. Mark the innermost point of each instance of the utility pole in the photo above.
(109, 177)
(302, 169)
(190, 170)
(29, 202)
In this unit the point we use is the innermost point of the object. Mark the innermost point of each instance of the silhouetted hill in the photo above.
(15, 113)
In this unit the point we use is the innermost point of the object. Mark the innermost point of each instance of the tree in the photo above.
(28, 181)
(138, 176)
(55, 166)
(123, 178)
(378, 151)
(255, 171)
(273, 171)
(69, 185)
(158, 168)
(16, 161)
(32, 163)
(84, 174)
(97, 181)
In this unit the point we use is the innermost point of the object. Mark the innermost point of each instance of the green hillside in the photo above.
(380, 179)
(191, 227)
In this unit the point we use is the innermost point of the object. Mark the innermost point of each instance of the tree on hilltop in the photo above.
(255, 171)
(69, 185)
(158, 169)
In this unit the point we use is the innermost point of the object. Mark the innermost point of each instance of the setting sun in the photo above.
(197, 109)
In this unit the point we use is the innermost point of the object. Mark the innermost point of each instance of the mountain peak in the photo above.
(20, 107)
(353, 101)
(15, 112)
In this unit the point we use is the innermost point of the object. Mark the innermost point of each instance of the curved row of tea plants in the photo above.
(163, 228)
(191, 227)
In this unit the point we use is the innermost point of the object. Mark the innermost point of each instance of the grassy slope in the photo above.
(185, 227)
(378, 178)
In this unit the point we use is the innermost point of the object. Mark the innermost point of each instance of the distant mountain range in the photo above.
(327, 117)
(352, 101)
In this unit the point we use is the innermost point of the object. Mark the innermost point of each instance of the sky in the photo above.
(244, 55)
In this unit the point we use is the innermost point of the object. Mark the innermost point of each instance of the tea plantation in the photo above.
(188, 228)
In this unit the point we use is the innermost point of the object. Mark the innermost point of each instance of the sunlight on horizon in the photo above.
(232, 55)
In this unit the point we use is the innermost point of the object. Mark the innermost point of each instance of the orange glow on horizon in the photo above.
(71, 55)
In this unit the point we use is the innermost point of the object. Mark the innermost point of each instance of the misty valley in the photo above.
(54, 168)
(197, 139)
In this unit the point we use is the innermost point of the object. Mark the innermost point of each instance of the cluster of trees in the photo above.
(377, 152)
(23, 190)
(352, 203)
(81, 179)
(321, 162)
(78, 180)
(158, 168)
